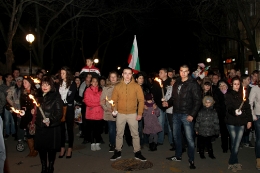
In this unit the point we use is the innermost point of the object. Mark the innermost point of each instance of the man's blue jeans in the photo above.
(2, 147)
(9, 121)
(161, 120)
(257, 136)
(178, 120)
(112, 132)
(236, 134)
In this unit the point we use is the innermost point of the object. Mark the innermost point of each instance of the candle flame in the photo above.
(159, 80)
(34, 101)
(244, 94)
(110, 101)
(15, 110)
(35, 80)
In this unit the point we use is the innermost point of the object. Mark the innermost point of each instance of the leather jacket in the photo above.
(51, 105)
(186, 97)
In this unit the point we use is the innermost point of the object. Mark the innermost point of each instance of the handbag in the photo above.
(64, 111)
(31, 125)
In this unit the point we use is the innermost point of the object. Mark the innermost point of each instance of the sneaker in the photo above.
(246, 145)
(232, 168)
(111, 148)
(117, 155)
(238, 166)
(192, 166)
(93, 147)
(97, 146)
(174, 158)
(139, 156)
(240, 145)
(251, 145)
(6, 136)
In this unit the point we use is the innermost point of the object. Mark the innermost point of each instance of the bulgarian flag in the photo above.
(133, 59)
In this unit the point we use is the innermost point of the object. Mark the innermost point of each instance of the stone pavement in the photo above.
(86, 161)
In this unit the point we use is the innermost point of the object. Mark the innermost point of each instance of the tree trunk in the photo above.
(9, 60)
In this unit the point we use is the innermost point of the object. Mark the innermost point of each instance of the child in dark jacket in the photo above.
(151, 122)
(207, 125)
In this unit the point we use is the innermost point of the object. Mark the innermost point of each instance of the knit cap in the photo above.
(208, 98)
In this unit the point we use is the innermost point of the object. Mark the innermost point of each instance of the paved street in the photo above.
(87, 161)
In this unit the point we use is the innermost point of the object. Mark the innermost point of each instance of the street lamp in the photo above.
(118, 68)
(96, 60)
(30, 38)
(208, 60)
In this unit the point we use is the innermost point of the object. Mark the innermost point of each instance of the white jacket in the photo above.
(254, 101)
(167, 97)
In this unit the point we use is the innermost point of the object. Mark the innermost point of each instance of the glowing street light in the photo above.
(118, 68)
(208, 60)
(30, 38)
(96, 61)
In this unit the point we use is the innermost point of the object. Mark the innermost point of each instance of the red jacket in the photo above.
(91, 70)
(94, 111)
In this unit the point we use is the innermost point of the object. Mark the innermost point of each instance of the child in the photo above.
(206, 126)
(151, 123)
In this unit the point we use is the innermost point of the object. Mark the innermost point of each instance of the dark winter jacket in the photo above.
(188, 99)
(157, 92)
(233, 100)
(27, 105)
(51, 105)
(207, 123)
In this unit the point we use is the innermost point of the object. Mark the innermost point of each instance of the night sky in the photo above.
(166, 40)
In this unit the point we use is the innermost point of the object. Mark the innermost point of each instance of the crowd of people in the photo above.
(191, 109)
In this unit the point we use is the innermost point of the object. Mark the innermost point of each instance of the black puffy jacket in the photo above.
(188, 100)
(233, 100)
(51, 105)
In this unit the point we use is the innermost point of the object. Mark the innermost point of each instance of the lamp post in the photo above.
(30, 38)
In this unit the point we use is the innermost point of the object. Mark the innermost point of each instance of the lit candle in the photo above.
(244, 99)
(20, 112)
(161, 85)
(45, 120)
(114, 113)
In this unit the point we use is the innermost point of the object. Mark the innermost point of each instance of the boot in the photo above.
(43, 157)
(258, 163)
(31, 147)
(51, 167)
(211, 155)
(154, 146)
(202, 156)
(51, 158)
(151, 146)
(44, 166)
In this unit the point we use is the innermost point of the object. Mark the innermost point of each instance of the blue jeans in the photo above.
(169, 129)
(257, 136)
(161, 120)
(112, 132)
(2, 147)
(236, 134)
(178, 120)
(9, 121)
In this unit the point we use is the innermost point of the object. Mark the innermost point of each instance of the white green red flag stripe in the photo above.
(133, 59)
